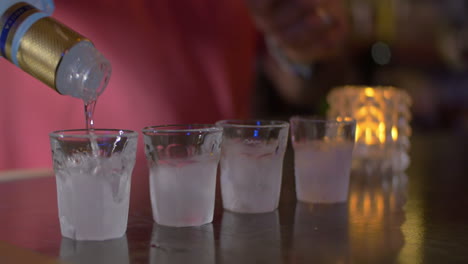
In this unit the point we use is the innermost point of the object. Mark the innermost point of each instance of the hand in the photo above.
(305, 30)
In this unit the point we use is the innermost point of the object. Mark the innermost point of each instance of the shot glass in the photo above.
(182, 161)
(252, 164)
(93, 169)
(322, 158)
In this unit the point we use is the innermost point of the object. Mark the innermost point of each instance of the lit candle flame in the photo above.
(358, 132)
(381, 130)
(394, 133)
(369, 92)
(371, 127)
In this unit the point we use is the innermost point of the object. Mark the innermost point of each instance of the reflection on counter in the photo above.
(250, 238)
(375, 217)
(320, 234)
(114, 251)
(182, 244)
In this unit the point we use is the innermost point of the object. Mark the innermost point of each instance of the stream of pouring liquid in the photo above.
(89, 113)
(89, 108)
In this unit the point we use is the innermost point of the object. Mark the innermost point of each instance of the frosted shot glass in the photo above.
(322, 158)
(252, 164)
(182, 162)
(93, 172)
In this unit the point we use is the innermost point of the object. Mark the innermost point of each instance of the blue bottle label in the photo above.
(11, 17)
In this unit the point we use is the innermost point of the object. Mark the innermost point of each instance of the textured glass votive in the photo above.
(382, 131)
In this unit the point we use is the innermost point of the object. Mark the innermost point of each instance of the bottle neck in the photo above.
(51, 52)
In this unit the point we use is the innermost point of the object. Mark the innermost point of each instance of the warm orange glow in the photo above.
(380, 206)
(374, 111)
(358, 132)
(366, 206)
(394, 133)
(381, 133)
(369, 92)
(362, 112)
(371, 127)
(353, 202)
(368, 136)
(387, 94)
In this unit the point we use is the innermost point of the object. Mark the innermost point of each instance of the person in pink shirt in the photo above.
(189, 61)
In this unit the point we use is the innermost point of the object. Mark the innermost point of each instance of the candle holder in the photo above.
(382, 131)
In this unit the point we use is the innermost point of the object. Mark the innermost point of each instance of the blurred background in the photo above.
(418, 45)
